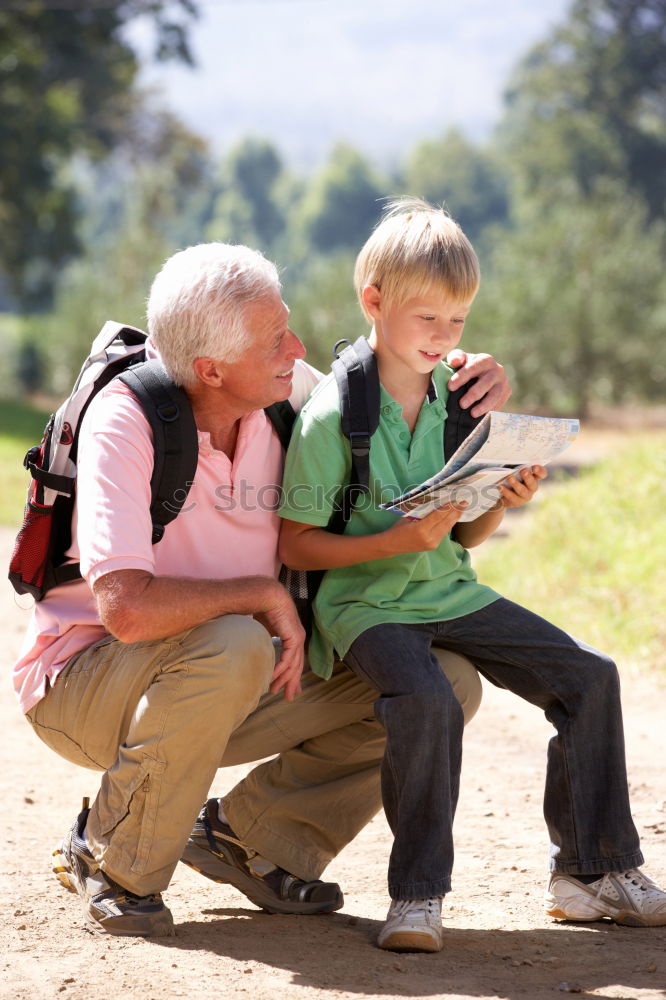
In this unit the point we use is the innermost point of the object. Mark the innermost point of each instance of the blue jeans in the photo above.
(586, 801)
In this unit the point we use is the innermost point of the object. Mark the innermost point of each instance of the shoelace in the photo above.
(416, 907)
(633, 875)
(637, 878)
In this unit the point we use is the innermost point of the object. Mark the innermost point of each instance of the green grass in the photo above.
(592, 556)
(21, 426)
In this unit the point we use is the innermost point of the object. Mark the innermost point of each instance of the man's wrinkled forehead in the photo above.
(266, 314)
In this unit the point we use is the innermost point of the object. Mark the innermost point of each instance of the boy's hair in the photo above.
(197, 303)
(415, 248)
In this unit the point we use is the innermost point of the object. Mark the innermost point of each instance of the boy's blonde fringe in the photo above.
(417, 248)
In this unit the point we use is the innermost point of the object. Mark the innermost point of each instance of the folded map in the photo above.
(499, 446)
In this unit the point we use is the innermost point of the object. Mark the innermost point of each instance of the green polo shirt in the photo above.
(411, 588)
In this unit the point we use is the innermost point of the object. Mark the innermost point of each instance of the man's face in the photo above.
(264, 372)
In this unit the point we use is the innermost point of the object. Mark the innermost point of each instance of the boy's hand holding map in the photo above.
(500, 446)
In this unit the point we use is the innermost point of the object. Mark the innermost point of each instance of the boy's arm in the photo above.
(306, 546)
(514, 493)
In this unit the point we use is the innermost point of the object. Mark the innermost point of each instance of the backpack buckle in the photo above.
(158, 534)
(32, 456)
(360, 443)
(337, 351)
(168, 412)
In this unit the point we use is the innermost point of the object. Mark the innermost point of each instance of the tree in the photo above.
(248, 209)
(66, 87)
(140, 206)
(29, 366)
(323, 305)
(590, 102)
(573, 302)
(341, 204)
(574, 289)
(469, 181)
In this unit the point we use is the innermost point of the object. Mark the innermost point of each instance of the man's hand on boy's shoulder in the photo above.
(489, 392)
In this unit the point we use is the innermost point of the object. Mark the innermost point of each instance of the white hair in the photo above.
(197, 303)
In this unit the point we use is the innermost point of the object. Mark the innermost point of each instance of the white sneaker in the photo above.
(629, 898)
(413, 925)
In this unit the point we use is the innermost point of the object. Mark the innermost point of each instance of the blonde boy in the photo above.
(395, 588)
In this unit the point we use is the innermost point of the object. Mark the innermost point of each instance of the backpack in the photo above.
(357, 377)
(38, 562)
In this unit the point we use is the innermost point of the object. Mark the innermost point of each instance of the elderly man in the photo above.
(159, 667)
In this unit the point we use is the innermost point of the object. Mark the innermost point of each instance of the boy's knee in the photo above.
(608, 668)
(601, 665)
(597, 675)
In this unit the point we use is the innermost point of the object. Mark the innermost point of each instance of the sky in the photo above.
(378, 74)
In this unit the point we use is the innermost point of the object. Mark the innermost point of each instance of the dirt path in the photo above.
(498, 943)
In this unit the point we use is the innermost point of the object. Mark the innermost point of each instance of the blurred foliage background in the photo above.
(564, 202)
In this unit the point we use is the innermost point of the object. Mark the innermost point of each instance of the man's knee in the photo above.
(464, 679)
(426, 703)
(232, 646)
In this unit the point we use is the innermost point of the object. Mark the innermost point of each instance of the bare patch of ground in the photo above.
(498, 942)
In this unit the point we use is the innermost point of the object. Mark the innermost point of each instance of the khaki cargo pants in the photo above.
(160, 717)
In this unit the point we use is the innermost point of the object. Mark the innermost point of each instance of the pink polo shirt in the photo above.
(227, 528)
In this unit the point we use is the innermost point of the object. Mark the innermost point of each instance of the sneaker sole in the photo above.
(410, 941)
(585, 911)
(124, 926)
(61, 869)
(214, 868)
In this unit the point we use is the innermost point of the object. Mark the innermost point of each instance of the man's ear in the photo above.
(372, 300)
(208, 371)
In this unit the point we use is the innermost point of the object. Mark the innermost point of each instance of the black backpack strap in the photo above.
(356, 374)
(170, 416)
(282, 415)
(459, 423)
(302, 585)
(66, 573)
(355, 370)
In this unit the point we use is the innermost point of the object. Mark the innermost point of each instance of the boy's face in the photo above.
(419, 332)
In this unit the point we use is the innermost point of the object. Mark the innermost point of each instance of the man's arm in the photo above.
(491, 390)
(492, 381)
(135, 606)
